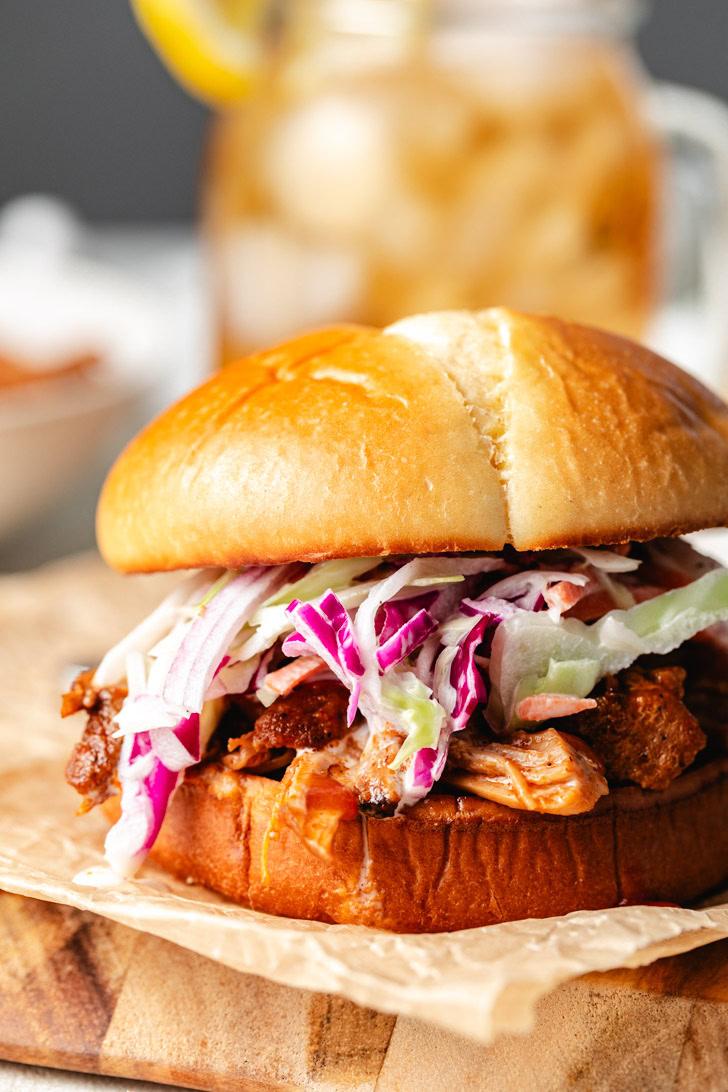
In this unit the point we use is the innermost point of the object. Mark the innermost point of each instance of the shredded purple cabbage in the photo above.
(325, 629)
(406, 639)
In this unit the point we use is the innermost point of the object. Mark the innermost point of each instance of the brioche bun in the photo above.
(446, 432)
(450, 862)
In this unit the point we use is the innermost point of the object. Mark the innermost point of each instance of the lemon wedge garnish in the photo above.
(213, 47)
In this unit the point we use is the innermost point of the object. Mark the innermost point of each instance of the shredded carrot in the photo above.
(285, 679)
(564, 595)
(545, 706)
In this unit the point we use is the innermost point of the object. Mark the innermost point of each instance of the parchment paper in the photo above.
(477, 982)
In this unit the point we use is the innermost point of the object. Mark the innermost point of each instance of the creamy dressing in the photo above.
(365, 889)
(99, 876)
(103, 878)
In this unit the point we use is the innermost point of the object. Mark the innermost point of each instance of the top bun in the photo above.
(445, 432)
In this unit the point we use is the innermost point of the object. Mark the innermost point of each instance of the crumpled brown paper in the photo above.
(477, 982)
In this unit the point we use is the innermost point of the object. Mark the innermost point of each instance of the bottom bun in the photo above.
(452, 862)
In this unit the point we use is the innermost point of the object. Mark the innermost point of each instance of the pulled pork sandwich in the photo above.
(442, 660)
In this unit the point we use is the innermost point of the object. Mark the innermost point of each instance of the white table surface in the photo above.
(34, 1078)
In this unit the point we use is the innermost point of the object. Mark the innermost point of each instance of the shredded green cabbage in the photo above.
(578, 677)
(428, 581)
(534, 655)
(422, 716)
(272, 620)
(326, 576)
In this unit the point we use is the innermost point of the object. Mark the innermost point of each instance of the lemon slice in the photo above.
(213, 47)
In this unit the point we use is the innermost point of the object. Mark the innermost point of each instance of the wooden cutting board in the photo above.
(81, 992)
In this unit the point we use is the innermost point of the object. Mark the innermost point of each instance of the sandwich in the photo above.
(438, 656)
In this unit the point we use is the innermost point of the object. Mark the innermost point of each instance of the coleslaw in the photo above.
(422, 645)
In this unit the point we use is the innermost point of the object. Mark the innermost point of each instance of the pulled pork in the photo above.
(309, 718)
(91, 769)
(312, 804)
(312, 716)
(545, 771)
(640, 728)
(371, 775)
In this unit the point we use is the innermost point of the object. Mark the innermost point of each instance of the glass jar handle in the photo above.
(692, 324)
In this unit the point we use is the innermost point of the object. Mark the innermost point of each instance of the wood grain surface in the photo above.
(81, 992)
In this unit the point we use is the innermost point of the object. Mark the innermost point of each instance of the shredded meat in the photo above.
(310, 717)
(92, 765)
(372, 777)
(313, 717)
(640, 728)
(361, 762)
(82, 695)
(248, 752)
(311, 804)
(545, 771)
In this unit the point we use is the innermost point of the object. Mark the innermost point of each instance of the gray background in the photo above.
(87, 111)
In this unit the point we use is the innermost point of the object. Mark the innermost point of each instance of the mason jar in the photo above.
(401, 157)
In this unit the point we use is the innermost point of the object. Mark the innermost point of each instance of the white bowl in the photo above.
(49, 437)
(54, 430)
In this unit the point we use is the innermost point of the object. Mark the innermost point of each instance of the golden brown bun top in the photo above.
(445, 432)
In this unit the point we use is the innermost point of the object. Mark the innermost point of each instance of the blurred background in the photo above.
(92, 115)
(331, 160)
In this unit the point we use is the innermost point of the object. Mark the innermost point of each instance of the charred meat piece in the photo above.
(310, 717)
(641, 729)
(92, 765)
(547, 771)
